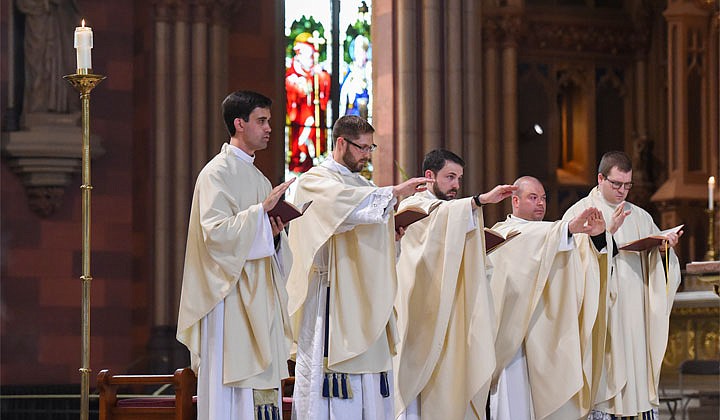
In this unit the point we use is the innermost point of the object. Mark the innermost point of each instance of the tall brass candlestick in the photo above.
(84, 83)
(710, 255)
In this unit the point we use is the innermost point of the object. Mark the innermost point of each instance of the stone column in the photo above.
(431, 75)
(384, 78)
(472, 112)
(183, 119)
(218, 85)
(162, 164)
(509, 101)
(407, 86)
(491, 106)
(199, 83)
(453, 76)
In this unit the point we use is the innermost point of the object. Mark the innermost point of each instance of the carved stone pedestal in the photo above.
(46, 156)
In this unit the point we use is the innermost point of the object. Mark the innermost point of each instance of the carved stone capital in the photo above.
(45, 200)
(511, 27)
(490, 32)
(590, 37)
(506, 28)
(46, 157)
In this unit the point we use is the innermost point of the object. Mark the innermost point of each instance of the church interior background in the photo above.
(516, 87)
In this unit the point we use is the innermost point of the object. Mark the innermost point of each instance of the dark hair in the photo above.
(350, 127)
(614, 159)
(435, 160)
(240, 104)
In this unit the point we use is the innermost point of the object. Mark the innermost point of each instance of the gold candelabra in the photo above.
(710, 255)
(84, 82)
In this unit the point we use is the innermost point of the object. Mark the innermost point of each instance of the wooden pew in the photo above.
(179, 407)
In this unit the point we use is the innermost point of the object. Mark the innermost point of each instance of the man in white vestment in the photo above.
(642, 290)
(546, 290)
(233, 315)
(343, 282)
(446, 357)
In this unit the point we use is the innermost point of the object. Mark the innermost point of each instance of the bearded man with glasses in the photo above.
(640, 291)
(343, 283)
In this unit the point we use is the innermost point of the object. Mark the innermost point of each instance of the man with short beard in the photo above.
(343, 282)
(446, 357)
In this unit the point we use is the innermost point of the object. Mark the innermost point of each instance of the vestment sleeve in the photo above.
(375, 208)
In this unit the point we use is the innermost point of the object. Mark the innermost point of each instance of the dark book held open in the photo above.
(493, 239)
(410, 215)
(287, 211)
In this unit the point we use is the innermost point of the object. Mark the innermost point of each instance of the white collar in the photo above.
(240, 153)
(517, 219)
(332, 164)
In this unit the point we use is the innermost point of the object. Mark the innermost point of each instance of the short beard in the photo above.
(351, 163)
(441, 195)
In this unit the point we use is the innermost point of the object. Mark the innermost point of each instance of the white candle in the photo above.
(83, 45)
(711, 191)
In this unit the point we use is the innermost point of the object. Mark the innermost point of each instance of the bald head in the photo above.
(528, 202)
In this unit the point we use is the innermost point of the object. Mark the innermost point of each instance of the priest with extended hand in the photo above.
(343, 282)
(547, 291)
(445, 361)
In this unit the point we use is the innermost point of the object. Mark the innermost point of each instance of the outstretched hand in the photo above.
(497, 194)
(275, 195)
(411, 186)
(272, 199)
(617, 218)
(590, 221)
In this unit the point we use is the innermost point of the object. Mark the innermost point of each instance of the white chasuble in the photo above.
(344, 242)
(445, 317)
(232, 309)
(641, 297)
(546, 302)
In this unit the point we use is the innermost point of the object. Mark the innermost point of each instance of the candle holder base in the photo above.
(711, 255)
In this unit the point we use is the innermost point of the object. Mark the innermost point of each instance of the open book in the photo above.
(287, 211)
(493, 239)
(649, 242)
(412, 214)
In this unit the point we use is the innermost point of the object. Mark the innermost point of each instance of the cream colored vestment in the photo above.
(638, 321)
(445, 316)
(230, 297)
(547, 301)
(356, 260)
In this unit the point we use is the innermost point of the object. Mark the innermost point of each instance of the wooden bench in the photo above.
(179, 407)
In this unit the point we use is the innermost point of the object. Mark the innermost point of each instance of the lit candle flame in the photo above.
(83, 23)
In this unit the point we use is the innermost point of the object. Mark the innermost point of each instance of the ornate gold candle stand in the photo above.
(84, 82)
(710, 255)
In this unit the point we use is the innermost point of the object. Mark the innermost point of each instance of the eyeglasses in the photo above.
(616, 185)
(364, 149)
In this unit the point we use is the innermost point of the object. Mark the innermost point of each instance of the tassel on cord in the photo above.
(336, 388)
(265, 402)
(343, 386)
(326, 386)
(384, 386)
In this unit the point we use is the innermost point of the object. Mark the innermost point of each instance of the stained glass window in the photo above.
(328, 73)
